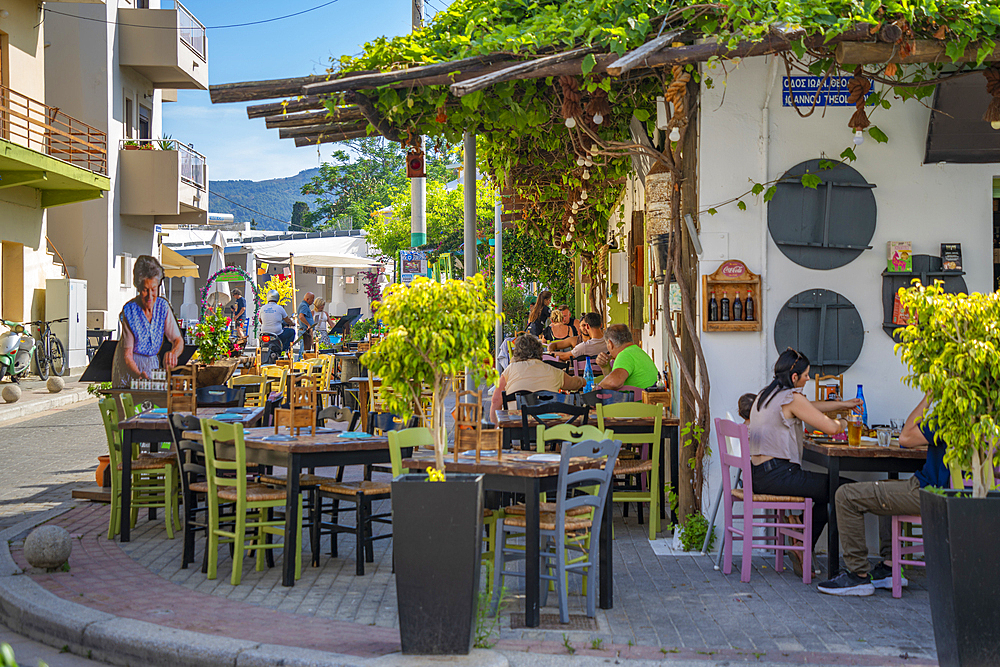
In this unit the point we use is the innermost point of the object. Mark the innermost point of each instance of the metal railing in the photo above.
(193, 163)
(35, 125)
(191, 30)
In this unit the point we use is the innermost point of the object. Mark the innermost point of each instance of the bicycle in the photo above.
(50, 355)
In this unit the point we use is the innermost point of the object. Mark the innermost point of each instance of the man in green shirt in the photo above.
(632, 366)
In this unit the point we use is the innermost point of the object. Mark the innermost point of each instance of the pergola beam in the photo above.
(924, 51)
(637, 56)
(368, 80)
(325, 128)
(338, 115)
(328, 138)
(308, 103)
(522, 70)
(248, 91)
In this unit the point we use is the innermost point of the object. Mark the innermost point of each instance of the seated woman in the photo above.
(527, 372)
(776, 438)
(560, 333)
(539, 313)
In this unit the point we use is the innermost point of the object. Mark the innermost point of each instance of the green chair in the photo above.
(154, 477)
(227, 482)
(646, 468)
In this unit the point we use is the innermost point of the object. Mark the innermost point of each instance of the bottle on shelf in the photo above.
(713, 309)
(737, 307)
(748, 308)
(725, 306)
(863, 408)
(588, 377)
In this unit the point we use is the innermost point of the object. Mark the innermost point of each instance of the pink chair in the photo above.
(913, 545)
(759, 510)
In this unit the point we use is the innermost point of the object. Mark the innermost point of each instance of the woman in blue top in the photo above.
(145, 320)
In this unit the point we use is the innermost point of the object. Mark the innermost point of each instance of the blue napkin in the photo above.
(158, 411)
(355, 434)
(550, 415)
(228, 415)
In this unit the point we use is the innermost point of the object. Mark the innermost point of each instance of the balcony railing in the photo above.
(35, 125)
(193, 163)
(191, 29)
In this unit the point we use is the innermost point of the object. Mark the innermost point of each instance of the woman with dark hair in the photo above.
(776, 438)
(538, 316)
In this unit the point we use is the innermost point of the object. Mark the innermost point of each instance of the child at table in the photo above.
(745, 405)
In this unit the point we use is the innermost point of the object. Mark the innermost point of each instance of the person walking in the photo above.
(304, 320)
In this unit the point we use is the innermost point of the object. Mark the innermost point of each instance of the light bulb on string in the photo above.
(675, 134)
(579, 162)
(571, 122)
(598, 119)
(594, 149)
(859, 137)
(583, 195)
(586, 175)
(995, 125)
(588, 163)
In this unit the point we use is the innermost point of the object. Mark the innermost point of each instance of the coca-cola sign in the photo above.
(733, 269)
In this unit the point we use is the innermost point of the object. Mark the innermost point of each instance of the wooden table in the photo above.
(510, 420)
(306, 451)
(839, 457)
(153, 429)
(515, 474)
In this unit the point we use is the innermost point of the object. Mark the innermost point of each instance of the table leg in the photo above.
(532, 568)
(606, 582)
(662, 476)
(291, 521)
(126, 486)
(832, 534)
(675, 445)
(363, 402)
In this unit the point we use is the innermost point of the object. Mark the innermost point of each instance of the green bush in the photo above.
(693, 532)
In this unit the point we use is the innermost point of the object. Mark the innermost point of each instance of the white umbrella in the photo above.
(219, 294)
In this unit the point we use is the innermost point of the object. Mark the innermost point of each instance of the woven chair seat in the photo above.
(547, 521)
(305, 480)
(544, 508)
(632, 466)
(767, 498)
(366, 488)
(198, 487)
(150, 462)
(255, 493)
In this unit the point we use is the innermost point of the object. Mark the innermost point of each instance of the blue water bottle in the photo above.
(864, 406)
(588, 375)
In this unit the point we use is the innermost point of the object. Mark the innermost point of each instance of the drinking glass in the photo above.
(853, 430)
(884, 436)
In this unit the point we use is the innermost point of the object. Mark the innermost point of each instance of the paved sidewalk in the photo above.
(36, 398)
(666, 608)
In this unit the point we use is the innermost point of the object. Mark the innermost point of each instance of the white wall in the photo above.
(926, 204)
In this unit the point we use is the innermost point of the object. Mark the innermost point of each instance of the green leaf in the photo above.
(811, 181)
(848, 154)
(771, 191)
(757, 189)
(589, 62)
(878, 135)
(740, 205)
(641, 114)
(712, 211)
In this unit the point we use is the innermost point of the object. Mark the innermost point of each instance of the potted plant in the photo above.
(165, 144)
(214, 348)
(131, 145)
(953, 354)
(435, 333)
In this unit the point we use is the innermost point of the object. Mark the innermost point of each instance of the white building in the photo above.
(114, 63)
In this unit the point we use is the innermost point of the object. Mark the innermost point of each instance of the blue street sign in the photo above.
(828, 92)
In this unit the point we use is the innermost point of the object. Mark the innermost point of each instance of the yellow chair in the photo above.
(253, 503)
(278, 376)
(257, 389)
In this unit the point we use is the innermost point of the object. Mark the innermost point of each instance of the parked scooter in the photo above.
(17, 348)
(270, 348)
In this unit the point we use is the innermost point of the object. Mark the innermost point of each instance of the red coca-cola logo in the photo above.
(733, 269)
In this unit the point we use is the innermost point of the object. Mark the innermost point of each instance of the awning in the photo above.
(176, 266)
(328, 253)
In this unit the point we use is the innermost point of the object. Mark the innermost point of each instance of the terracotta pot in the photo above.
(103, 462)
(217, 373)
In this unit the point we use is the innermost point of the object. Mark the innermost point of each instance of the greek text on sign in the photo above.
(826, 91)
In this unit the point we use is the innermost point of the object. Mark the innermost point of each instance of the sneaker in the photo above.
(881, 577)
(848, 583)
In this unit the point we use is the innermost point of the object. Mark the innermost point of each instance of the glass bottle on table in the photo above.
(588, 376)
(862, 410)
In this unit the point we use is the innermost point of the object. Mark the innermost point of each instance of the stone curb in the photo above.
(30, 610)
(10, 411)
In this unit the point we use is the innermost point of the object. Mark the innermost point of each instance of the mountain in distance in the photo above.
(273, 197)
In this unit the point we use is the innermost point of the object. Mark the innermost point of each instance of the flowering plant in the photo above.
(212, 336)
(283, 287)
(372, 288)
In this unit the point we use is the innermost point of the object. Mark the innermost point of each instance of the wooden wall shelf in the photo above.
(733, 276)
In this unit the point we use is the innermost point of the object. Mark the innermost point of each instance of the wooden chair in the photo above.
(227, 483)
(278, 376)
(221, 396)
(469, 432)
(182, 385)
(822, 381)
(606, 397)
(154, 481)
(646, 467)
(256, 388)
(761, 513)
(302, 406)
(566, 412)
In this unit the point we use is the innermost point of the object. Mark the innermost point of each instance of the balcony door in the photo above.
(145, 122)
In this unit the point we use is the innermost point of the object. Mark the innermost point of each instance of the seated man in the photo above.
(527, 372)
(883, 498)
(274, 320)
(593, 343)
(632, 366)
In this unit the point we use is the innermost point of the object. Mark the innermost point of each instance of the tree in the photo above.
(301, 220)
(953, 351)
(528, 259)
(435, 332)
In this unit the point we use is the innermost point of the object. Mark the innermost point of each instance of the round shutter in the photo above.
(824, 227)
(824, 326)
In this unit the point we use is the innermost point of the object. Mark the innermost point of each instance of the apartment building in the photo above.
(115, 62)
(50, 160)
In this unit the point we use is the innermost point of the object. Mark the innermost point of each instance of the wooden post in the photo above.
(688, 498)
(295, 316)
